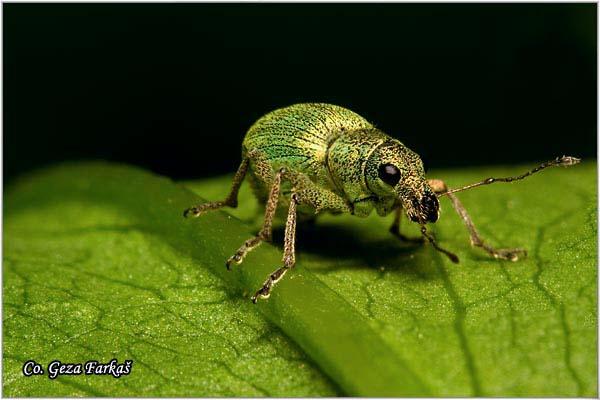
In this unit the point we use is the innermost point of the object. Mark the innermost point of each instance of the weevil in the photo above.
(312, 158)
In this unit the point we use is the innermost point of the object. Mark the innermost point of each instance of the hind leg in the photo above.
(230, 200)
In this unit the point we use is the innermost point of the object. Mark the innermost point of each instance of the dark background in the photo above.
(174, 87)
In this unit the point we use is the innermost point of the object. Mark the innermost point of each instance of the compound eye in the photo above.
(389, 173)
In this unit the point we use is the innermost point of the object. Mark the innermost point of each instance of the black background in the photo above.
(174, 87)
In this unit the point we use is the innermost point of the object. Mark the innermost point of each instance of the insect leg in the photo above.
(289, 253)
(395, 229)
(453, 257)
(319, 198)
(265, 232)
(307, 193)
(506, 254)
(230, 201)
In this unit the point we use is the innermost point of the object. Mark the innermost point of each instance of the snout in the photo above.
(427, 209)
(430, 207)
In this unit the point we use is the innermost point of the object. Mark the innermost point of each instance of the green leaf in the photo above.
(104, 248)
(84, 280)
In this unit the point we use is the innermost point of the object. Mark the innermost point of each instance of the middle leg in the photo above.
(289, 253)
(265, 232)
(304, 192)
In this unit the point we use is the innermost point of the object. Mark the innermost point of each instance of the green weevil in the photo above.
(312, 158)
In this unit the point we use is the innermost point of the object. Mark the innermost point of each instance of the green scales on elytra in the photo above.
(312, 158)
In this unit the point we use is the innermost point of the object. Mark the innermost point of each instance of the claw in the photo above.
(236, 258)
(510, 254)
(265, 291)
(195, 211)
(567, 161)
(262, 293)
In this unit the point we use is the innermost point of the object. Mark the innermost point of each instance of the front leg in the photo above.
(395, 229)
(440, 187)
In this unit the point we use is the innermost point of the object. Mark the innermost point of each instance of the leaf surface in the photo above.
(98, 263)
(84, 280)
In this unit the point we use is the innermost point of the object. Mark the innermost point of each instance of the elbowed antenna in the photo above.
(564, 161)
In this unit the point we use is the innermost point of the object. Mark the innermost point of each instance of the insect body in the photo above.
(336, 161)
(314, 158)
